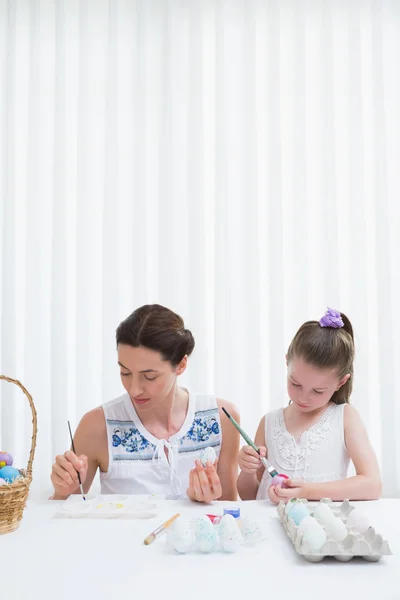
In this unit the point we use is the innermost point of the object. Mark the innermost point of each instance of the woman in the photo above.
(149, 440)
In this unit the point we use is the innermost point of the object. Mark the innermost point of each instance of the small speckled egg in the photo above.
(323, 513)
(205, 535)
(298, 512)
(250, 528)
(9, 474)
(181, 536)
(229, 534)
(6, 460)
(312, 533)
(208, 454)
(357, 522)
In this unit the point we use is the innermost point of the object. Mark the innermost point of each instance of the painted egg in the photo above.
(9, 474)
(250, 528)
(208, 454)
(205, 535)
(3, 482)
(298, 512)
(279, 480)
(323, 513)
(289, 504)
(181, 536)
(229, 533)
(6, 460)
(358, 522)
(312, 533)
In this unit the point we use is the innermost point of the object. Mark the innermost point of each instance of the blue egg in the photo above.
(9, 474)
(298, 512)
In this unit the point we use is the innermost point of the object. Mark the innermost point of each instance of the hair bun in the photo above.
(187, 342)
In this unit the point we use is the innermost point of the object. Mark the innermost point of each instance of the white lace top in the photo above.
(319, 455)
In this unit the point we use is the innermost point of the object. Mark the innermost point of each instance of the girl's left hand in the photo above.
(294, 489)
(204, 483)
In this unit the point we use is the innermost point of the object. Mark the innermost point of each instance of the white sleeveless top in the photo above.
(319, 455)
(138, 463)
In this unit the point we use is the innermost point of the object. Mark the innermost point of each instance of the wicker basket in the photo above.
(13, 496)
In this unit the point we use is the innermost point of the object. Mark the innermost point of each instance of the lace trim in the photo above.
(297, 456)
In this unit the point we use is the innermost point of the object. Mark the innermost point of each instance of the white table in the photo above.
(50, 558)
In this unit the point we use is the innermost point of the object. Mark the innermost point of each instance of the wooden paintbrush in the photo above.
(160, 530)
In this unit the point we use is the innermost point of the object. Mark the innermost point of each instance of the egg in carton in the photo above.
(331, 529)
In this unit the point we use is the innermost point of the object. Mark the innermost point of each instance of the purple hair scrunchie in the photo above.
(332, 318)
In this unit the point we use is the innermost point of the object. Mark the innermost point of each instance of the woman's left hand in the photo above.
(204, 483)
(294, 489)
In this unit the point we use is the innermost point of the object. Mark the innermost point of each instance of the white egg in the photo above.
(250, 528)
(336, 529)
(181, 536)
(229, 534)
(323, 513)
(205, 534)
(358, 522)
(208, 454)
(312, 533)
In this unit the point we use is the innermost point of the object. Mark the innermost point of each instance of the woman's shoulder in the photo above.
(93, 421)
(229, 407)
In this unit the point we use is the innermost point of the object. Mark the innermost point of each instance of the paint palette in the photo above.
(108, 507)
(365, 543)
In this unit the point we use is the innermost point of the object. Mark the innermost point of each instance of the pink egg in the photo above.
(279, 479)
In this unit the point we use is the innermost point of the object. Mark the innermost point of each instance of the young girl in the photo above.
(313, 439)
(150, 439)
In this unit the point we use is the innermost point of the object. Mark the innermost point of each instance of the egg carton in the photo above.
(370, 545)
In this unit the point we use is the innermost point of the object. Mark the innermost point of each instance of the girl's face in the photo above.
(310, 388)
(147, 378)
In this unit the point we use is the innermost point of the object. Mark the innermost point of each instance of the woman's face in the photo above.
(147, 378)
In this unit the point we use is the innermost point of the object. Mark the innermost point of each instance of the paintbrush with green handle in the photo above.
(271, 470)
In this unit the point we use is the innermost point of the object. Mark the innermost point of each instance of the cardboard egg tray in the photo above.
(370, 546)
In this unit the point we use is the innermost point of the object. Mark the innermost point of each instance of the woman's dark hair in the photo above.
(327, 347)
(157, 328)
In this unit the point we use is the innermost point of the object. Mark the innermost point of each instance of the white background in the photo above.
(234, 160)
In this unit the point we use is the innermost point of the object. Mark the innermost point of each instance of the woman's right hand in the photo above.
(64, 474)
(249, 460)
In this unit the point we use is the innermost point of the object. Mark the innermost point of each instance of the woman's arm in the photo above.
(90, 442)
(365, 485)
(248, 482)
(227, 468)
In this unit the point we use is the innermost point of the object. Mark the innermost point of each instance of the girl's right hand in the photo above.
(64, 474)
(249, 460)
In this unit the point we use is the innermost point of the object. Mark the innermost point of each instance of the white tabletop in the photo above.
(53, 558)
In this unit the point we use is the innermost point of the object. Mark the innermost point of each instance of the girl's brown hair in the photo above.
(157, 328)
(327, 347)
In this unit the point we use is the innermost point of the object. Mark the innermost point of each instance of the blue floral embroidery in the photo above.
(130, 439)
(204, 429)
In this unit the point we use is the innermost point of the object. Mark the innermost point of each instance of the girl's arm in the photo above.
(365, 485)
(247, 483)
(227, 468)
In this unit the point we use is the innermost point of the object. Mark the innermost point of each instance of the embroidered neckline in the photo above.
(296, 456)
(318, 425)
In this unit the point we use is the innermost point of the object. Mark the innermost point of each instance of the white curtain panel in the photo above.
(237, 161)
